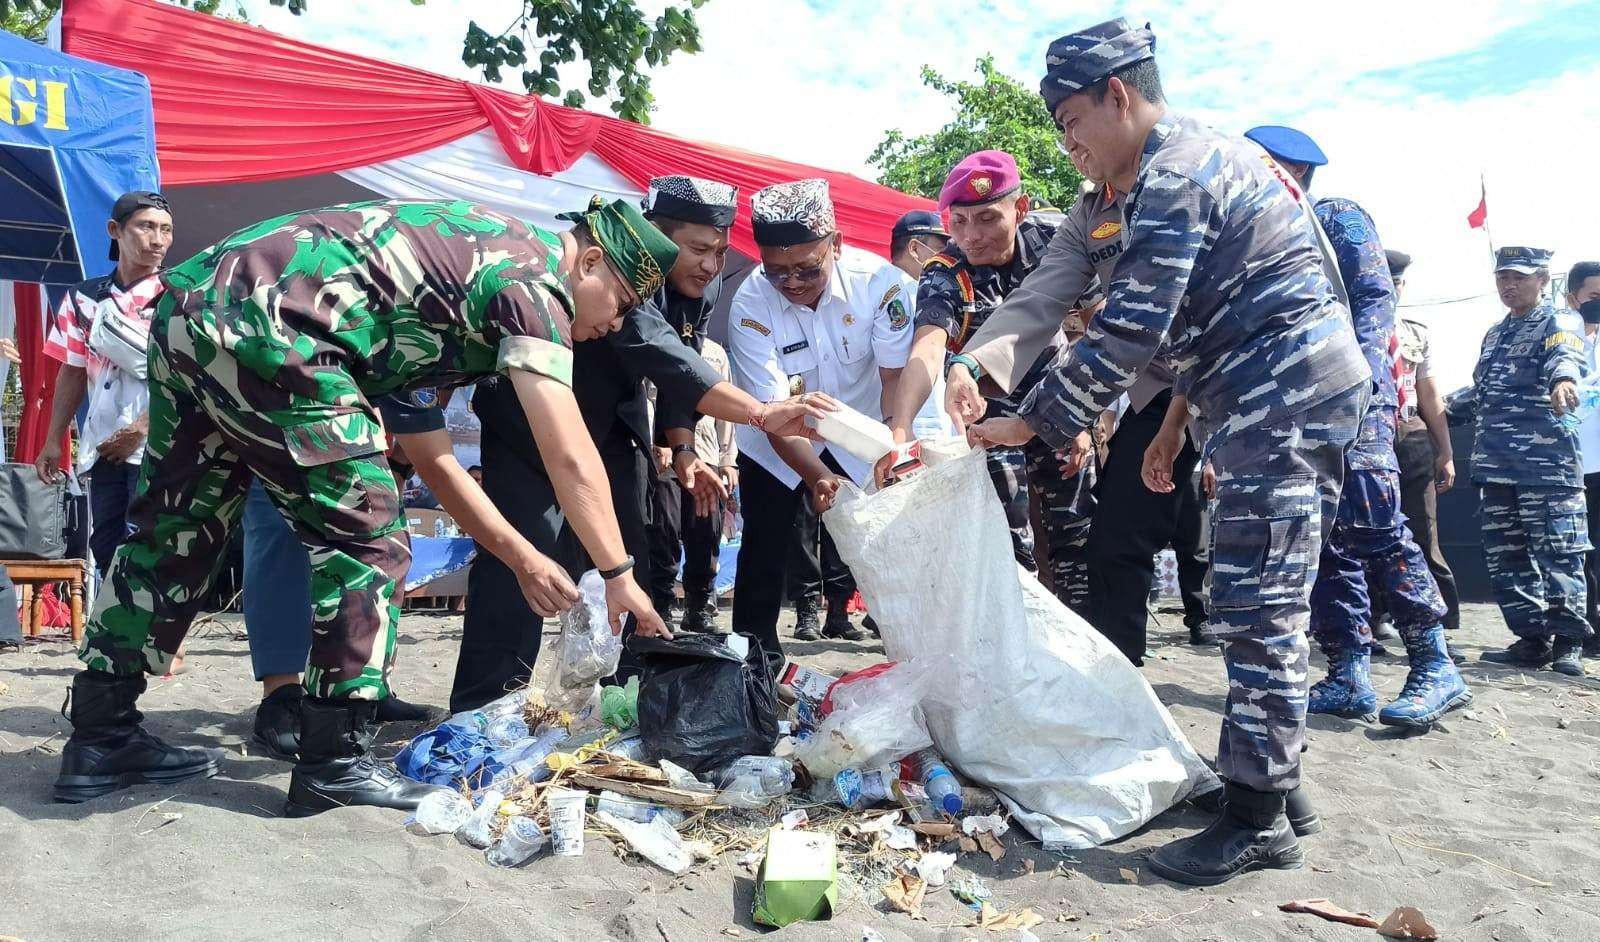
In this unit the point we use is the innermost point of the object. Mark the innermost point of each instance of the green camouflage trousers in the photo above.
(228, 404)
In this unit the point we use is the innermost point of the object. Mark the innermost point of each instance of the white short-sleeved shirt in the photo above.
(1589, 427)
(777, 349)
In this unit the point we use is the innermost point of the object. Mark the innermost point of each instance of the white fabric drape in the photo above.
(475, 168)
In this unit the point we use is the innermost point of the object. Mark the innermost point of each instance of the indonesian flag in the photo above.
(1479, 216)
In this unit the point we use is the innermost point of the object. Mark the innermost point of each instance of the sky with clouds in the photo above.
(1413, 100)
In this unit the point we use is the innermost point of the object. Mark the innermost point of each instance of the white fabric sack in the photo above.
(1039, 707)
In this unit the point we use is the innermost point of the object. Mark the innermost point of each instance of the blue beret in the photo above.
(1078, 60)
(1283, 143)
(1521, 258)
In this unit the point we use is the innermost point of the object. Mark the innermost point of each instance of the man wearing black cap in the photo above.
(916, 237)
(1221, 274)
(107, 365)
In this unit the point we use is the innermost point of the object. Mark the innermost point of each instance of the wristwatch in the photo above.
(682, 447)
(622, 569)
(970, 363)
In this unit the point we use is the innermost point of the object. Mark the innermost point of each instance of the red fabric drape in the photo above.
(235, 103)
(38, 376)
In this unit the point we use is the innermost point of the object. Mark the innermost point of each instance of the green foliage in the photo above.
(994, 113)
(29, 18)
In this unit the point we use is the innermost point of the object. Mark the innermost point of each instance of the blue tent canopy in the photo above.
(74, 135)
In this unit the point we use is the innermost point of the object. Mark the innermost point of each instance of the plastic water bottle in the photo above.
(776, 775)
(629, 748)
(635, 809)
(520, 842)
(944, 792)
(1588, 401)
(526, 758)
(858, 789)
(439, 528)
(442, 812)
(479, 829)
(506, 730)
(473, 721)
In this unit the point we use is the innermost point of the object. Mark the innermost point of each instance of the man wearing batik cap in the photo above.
(816, 316)
(1370, 552)
(916, 237)
(1525, 460)
(501, 633)
(1221, 260)
(266, 352)
(997, 246)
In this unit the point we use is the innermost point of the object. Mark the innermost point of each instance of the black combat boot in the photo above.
(805, 619)
(109, 750)
(1523, 652)
(277, 730)
(1252, 833)
(336, 767)
(1303, 819)
(699, 614)
(838, 624)
(392, 709)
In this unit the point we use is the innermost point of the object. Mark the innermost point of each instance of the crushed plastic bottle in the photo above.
(505, 730)
(776, 775)
(630, 748)
(526, 758)
(944, 792)
(1588, 401)
(858, 789)
(657, 842)
(635, 809)
(479, 829)
(519, 843)
(442, 812)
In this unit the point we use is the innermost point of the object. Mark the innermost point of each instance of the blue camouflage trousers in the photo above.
(1066, 505)
(1534, 538)
(1277, 499)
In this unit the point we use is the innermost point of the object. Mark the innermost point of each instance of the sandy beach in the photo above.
(1489, 825)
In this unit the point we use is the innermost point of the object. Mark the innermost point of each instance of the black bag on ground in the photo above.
(32, 521)
(700, 705)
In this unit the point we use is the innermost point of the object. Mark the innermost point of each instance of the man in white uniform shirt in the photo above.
(817, 316)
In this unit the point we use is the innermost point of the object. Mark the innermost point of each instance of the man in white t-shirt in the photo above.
(1583, 296)
(111, 441)
(817, 316)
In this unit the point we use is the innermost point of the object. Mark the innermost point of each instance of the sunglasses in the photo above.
(805, 276)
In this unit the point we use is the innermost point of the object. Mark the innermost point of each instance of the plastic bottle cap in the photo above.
(952, 804)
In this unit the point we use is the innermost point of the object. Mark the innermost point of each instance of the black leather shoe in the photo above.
(109, 750)
(1566, 656)
(699, 615)
(277, 731)
(1524, 652)
(1197, 635)
(838, 624)
(1252, 833)
(806, 627)
(336, 767)
(392, 709)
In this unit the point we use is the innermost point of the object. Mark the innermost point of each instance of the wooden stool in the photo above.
(32, 575)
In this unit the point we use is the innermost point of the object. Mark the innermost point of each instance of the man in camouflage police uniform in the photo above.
(1370, 549)
(1526, 464)
(996, 247)
(267, 350)
(1221, 260)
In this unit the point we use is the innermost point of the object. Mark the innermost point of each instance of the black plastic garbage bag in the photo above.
(700, 705)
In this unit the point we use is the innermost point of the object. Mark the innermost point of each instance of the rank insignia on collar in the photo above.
(981, 185)
(797, 385)
(688, 331)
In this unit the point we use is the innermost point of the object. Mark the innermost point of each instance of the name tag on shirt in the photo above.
(796, 347)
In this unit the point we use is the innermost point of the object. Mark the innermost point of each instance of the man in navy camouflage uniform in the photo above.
(960, 287)
(1370, 549)
(1221, 259)
(1525, 461)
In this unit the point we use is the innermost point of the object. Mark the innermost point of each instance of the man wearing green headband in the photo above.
(267, 351)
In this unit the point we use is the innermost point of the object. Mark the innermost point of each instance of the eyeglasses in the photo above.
(631, 297)
(805, 276)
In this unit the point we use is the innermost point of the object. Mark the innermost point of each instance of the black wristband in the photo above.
(623, 568)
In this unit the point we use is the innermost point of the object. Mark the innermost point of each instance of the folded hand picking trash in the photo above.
(1030, 700)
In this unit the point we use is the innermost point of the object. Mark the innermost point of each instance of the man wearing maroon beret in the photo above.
(995, 247)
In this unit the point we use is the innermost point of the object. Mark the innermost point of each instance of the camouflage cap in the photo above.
(1521, 258)
(642, 254)
(1078, 60)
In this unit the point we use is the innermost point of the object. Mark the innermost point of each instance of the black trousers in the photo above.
(1131, 524)
(501, 633)
(770, 511)
(111, 487)
(1591, 559)
(673, 526)
(1413, 448)
(815, 569)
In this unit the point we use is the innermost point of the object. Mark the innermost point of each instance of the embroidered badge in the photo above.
(756, 326)
(1106, 230)
(797, 385)
(889, 295)
(897, 315)
(425, 398)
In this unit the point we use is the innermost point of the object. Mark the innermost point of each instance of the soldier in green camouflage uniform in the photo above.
(266, 349)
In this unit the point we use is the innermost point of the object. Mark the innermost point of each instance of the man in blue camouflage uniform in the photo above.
(960, 287)
(1221, 259)
(1525, 461)
(1370, 549)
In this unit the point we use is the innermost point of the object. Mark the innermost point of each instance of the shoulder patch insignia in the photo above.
(889, 295)
(756, 326)
(425, 398)
(942, 261)
(1106, 230)
(1352, 225)
(1563, 338)
(897, 315)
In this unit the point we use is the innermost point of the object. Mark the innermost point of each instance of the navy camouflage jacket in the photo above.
(1519, 440)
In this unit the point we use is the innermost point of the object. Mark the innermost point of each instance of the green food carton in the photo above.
(799, 880)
